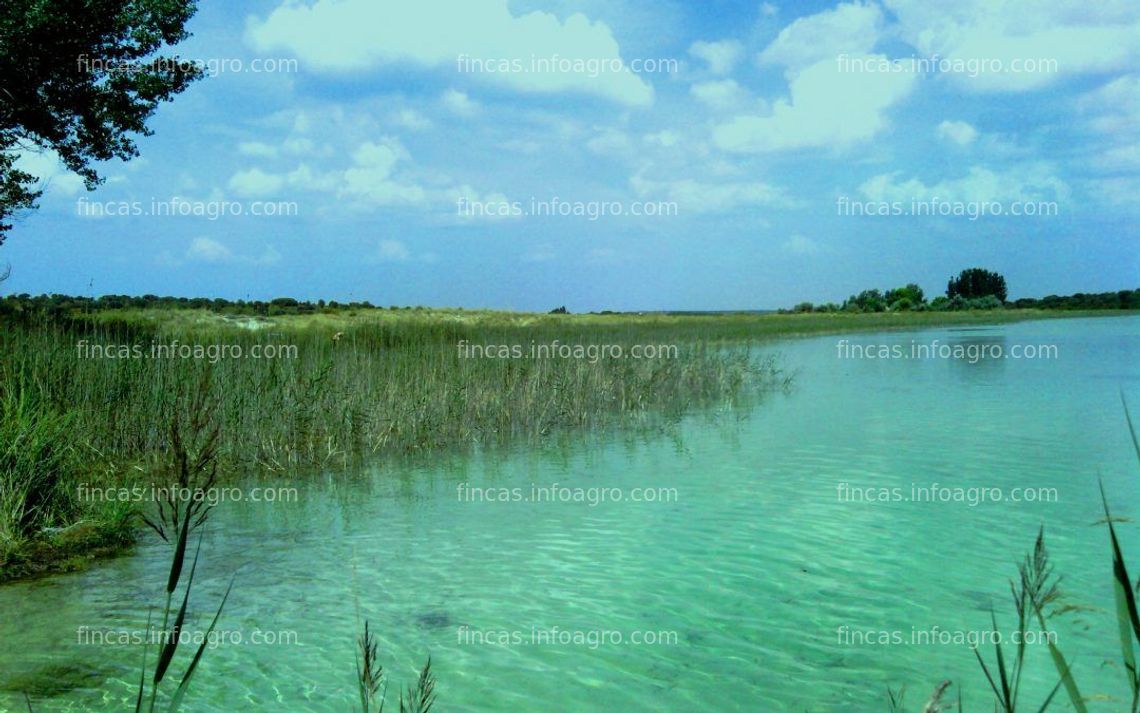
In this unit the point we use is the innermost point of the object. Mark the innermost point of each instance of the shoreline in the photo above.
(97, 534)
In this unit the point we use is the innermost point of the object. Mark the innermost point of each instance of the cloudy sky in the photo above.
(406, 145)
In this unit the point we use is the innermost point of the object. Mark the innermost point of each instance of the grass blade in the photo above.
(171, 644)
(176, 701)
(1128, 622)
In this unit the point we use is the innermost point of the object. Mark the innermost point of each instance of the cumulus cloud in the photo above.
(255, 182)
(610, 142)
(353, 35)
(720, 57)
(54, 177)
(959, 132)
(459, 103)
(721, 94)
(1050, 40)
(371, 177)
(1034, 182)
(850, 28)
(825, 108)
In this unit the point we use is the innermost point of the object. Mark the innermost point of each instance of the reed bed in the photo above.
(377, 388)
(339, 390)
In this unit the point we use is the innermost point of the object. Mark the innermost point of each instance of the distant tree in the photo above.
(78, 78)
(866, 301)
(560, 310)
(910, 292)
(976, 282)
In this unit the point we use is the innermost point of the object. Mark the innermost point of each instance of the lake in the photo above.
(757, 559)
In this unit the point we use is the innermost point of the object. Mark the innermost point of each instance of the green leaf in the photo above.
(176, 701)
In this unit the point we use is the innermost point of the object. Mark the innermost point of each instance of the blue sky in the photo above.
(762, 119)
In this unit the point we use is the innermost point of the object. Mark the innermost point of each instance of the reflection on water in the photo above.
(775, 588)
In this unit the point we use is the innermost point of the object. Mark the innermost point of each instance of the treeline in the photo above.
(56, 305)
(972, 289)
(876, 301)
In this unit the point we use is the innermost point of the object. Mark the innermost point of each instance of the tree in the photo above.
(866, 301)
(976, 282)
(79, 78)
(911, 292)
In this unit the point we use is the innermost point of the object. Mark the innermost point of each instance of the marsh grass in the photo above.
(386, 386)
(381, 388)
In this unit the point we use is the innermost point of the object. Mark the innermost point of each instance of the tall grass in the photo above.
(36, 457)
(380, 388)
(352, 388)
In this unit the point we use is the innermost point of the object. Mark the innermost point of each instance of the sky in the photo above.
(616, 154)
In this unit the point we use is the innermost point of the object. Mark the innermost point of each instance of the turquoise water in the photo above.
(745, 573)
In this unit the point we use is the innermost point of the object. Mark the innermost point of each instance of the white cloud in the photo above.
(371, 176)
(305, 178)
(209, 250)
(693, 196)
(1115, 107)
(459, 103)
(411, 119)
(720, 56)
(826, 108)
(255, 182)
(1113, 116)
(53, 176)
(610, 142)
(392, 251)
(850, 28)
(720, 95)
(959, 132)
(470, 205)
(1033, 182)
(257, 149)
(354, 35)
(1073, 36)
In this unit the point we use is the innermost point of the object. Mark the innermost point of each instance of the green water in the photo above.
(748, 573)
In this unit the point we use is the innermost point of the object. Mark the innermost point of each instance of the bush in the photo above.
(987, 302)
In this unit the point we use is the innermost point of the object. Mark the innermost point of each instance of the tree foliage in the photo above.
(976, 282)
(79, 79)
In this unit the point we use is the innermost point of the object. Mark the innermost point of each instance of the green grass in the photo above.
(386, 386)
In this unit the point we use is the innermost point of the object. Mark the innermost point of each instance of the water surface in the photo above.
(748, 574)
